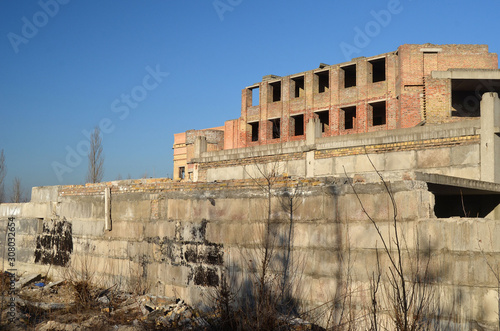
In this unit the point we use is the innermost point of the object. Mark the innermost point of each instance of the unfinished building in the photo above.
(426, 117)
(414, 86)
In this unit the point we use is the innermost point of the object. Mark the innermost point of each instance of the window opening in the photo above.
(298, 86)
(275, 91)
(323, 79)
(349, 76)
(298, 125)
(255, 131)
(349, 117)
(275, 128)
(255, 96)
(377, 70)
(378, 113)
(324, 119)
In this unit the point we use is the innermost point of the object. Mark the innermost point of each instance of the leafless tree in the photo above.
(3, 172)
(96, 158)
(17, 191)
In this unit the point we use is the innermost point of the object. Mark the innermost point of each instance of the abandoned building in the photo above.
(426, 117)
(414, 86)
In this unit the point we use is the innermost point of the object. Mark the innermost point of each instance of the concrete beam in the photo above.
(476, 185)
(467, 74)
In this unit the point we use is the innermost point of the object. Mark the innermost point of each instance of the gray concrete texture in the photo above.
(182, 242)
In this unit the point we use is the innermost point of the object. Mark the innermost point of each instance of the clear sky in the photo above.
(145, 70)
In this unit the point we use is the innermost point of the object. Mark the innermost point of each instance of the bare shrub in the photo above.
(407, 287)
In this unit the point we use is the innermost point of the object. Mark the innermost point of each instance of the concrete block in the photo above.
(433, 158)
(38, 210)
(159, 229)
(175, 275)
(471, 172)
(465, 155)
(179, 209)
(317, 263)
(226, 173)
(362, 163)
(228, 209)
(257, 209)
(363, 235)
(11, 209)
(111, 248)
(126, 229)
(309, 208)
(75, 210)
(44, 193)
(400, 160)
(27, 226)
(201, 207)
(324, 235)
(87, 228)
(378, 206)
(124, 210)
(296, 168)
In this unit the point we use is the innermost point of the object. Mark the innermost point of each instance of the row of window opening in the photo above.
(322, 81)
(378, 112)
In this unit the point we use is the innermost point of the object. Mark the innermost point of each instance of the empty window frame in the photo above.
(297, 125)
(298, 86)
(182, 172)
(254, 127)
(322, 80)
(255, 96)
(275, 125)
(349, 117)
(378, 113)
(377, 70)
(324, 119)
(349, 75)
(275, 91)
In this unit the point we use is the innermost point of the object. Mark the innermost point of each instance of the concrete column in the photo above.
(313, 131)
(200, 146)
(107, 208)
(490, 140)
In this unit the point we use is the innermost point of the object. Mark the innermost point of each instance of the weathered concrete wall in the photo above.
(180, 238)
(450, 149)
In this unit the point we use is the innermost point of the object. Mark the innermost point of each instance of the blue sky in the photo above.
(68, 65)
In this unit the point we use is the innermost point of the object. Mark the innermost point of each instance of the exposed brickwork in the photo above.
(159, 185)
(402, 146)
(401, 80)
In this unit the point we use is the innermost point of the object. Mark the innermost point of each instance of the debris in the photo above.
(53, 284)
(27, 279)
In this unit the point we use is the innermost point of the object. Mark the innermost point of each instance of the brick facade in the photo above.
(384, 92)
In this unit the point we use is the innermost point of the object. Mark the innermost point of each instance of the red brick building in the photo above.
(384, 92)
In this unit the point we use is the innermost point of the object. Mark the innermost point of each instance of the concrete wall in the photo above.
(178, 239)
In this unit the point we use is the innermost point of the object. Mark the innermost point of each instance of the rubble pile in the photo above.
(42, 306)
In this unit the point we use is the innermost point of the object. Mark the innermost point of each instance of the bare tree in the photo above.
(96, 158)
(17, 191)
(3, 172)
